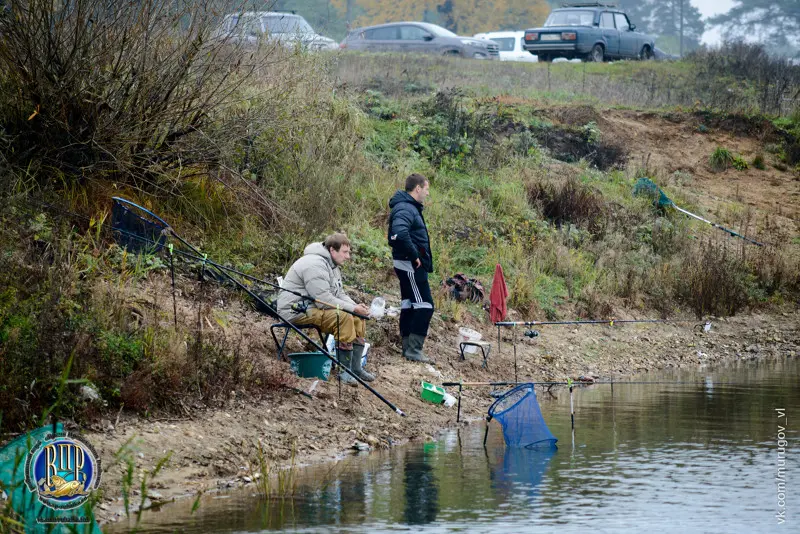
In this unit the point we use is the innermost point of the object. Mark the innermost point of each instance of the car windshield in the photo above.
(287, 24)
(570, 17)
(438, 30)
(506, 43)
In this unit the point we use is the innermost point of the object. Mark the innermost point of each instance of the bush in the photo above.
(114, 89)
(569, 202)
(758, 162)
(771, 77)
(714, 280)
(739, 163)
(721, 159)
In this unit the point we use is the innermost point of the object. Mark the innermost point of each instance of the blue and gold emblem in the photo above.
(63, 470)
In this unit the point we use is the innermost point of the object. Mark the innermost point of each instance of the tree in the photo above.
(666, 24)
(774, 22)
(639, 13)
(464, 17)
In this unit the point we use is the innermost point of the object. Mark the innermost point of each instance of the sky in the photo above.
(709, 8)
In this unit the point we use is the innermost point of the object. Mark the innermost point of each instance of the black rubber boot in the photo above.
(345, 358)
(358, 352)
(414, 351)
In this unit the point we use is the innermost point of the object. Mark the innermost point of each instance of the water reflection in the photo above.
(682, 456)
(421, 487)
(520, 471)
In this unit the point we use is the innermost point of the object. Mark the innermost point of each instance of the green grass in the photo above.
(570, 243)
(721, 159)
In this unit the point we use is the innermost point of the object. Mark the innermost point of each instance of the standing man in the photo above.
(411, 252)
(317, 275)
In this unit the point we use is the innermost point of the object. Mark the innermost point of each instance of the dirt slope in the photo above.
(666, 143)
(212, 448)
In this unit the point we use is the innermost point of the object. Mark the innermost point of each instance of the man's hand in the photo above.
(361, 310)
(417, 263)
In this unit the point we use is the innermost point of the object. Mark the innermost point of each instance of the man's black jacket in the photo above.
(408, 235)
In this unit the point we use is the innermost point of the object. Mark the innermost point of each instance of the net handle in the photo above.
(527, 385)
(123, 201)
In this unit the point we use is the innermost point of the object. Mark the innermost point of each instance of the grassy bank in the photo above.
(302, 145)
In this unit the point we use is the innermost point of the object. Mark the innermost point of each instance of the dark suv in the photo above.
(593, 32)
(418, 37)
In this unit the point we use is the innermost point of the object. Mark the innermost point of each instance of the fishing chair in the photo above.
(287, 328)
(267, 303)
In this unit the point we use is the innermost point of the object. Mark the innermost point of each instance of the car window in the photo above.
(382, 34)
(506, 43)
(570, 17)
(249, 25)
(412, 33)
(437, 30)
(622, 22)
(231, 23)
(287, 24)
(607, 20)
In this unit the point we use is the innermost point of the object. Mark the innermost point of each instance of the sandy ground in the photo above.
(217, 448)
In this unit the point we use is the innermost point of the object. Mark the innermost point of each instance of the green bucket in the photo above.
(310, 365)
(431, 393)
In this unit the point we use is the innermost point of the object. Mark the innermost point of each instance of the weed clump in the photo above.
(739, 163)
(721, 159)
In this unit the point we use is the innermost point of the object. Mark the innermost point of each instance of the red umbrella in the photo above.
(498, 296)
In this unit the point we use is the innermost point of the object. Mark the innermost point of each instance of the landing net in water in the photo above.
(523, 425)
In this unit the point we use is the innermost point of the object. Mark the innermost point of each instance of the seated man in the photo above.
(317, 275)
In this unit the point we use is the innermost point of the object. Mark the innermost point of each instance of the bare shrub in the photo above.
(713, 280)
(571, 201)
(773, 77)
(114, 89)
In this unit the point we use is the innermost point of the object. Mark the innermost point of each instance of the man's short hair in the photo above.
(335, 241)
(413, 181)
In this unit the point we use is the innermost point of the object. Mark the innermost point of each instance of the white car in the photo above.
(510, 45)
(284, 28)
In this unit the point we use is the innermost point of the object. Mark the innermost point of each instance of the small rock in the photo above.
(361, 446)
(247, 480)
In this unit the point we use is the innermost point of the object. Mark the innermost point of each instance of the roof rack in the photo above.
(588, 4)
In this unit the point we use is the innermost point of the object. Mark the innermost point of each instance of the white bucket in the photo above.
(468, 334)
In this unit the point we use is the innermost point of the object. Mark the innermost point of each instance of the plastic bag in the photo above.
(377, 308)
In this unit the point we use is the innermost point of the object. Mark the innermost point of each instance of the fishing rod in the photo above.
(460, 386)
(199, 256)
(718, 226)
(647, 187)
(610, 322)
(167, 231)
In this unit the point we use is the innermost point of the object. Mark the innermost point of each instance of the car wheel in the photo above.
(597, 53)
(452, 53)
(544, 58)
(647, 53)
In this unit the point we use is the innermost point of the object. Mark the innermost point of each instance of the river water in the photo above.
(696, 452)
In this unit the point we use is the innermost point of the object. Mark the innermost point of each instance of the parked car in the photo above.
(510, 44)
(285, 28)
(593, 32)
(418, 37)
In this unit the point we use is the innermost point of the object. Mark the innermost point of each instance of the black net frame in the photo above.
(136, 228)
